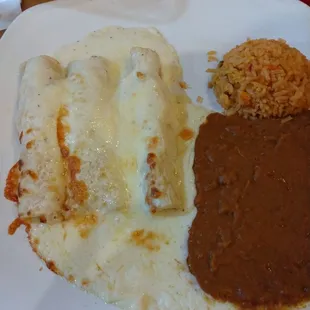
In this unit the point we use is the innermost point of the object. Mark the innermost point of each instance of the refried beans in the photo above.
(250, 241)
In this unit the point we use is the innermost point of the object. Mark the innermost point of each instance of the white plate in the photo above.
(193, 27)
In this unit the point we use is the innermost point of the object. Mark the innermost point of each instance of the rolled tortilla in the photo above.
(88, 123)
(37, 181)
(147, 102)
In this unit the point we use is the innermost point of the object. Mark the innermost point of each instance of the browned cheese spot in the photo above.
(62, 130)
(183, 85)
(21, 137)
(20, 164)
(42, 219)
(52, 266)
(186, 134)
(145, 239)
(78, 188)
(31, 173)
(15, 225)
(12, 182)
(140, 76)
(28, 131)
(85, 224)
(151, 160)
(85, 282)
(153, 142)
(71, 278)
(156, 193)
(29, 144)
(74, 166)
(28, 227)
(65, 207)
(79, 191)
(152, 192)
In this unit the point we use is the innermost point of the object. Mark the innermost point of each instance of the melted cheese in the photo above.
(149, 108)
(132, 259)
(41, 184)
(96, 177)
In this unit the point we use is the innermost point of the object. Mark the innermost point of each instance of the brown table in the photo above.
(26, 4)
(29, 3)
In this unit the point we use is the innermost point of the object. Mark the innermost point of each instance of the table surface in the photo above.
(29, 3)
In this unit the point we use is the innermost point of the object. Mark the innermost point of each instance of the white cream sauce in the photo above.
(146, 270)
